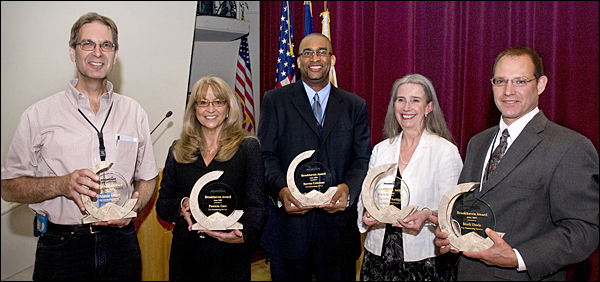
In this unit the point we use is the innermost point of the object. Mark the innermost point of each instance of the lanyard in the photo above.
(100, 137)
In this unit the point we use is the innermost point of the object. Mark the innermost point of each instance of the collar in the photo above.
(75, 97)
(426, 137)
(323, 93)
(517, 127)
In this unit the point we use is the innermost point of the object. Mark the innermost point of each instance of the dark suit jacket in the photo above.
(287, 128)
(544, 194)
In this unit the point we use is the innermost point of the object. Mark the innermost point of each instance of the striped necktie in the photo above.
(317, 108)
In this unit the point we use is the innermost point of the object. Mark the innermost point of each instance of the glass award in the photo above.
(113, 199)
(385, 196)
(464, 217)
(214, 204)
(312, 175)
(471, 214)
(387, 193)
(217, 197)
(113, 189)
(310, 181)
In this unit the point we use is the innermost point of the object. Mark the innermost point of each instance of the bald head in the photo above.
(312, 36)
(317, 60)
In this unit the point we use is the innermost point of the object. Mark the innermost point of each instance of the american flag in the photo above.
(286, 68)
(243, 85)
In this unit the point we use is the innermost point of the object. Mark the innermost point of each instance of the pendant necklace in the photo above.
(210, 151)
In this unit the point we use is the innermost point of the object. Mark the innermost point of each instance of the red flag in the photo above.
(243, 86)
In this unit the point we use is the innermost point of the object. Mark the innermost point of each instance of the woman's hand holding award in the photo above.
(113, 200)
(213, 204)
(380, 197)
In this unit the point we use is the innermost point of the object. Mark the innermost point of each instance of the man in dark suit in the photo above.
(544, 190)
(323, 240)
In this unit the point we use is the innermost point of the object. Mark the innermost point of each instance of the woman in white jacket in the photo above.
(419, 141)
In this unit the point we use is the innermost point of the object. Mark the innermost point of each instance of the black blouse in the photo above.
(244, 172)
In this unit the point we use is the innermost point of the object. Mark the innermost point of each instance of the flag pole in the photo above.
(326, 30)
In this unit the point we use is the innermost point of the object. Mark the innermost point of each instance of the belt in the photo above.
(82, 228)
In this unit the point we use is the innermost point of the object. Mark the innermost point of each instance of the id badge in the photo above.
(40, 224)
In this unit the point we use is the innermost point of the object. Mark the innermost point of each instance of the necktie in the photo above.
(497, 154)
(317, 109)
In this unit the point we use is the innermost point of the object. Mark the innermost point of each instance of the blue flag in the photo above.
(308, 24)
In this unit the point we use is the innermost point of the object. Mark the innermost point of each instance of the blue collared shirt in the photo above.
(323, 97)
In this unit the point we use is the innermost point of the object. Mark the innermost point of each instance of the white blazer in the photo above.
(433, 169)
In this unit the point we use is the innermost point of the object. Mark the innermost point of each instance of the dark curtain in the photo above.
(455, 44)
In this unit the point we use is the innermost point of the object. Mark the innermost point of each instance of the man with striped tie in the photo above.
(539, 178)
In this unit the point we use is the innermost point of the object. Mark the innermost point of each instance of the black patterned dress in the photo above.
(390, 266)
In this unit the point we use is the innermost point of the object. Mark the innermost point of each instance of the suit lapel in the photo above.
(332, 112)
(302, 105)
(480, 153)
(518, 150)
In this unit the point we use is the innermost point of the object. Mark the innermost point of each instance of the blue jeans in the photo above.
(111, 254)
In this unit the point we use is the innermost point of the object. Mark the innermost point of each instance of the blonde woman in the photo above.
(213, 139)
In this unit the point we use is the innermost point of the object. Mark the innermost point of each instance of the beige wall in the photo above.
(153, 67)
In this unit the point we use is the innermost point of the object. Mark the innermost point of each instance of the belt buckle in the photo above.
(92, 229)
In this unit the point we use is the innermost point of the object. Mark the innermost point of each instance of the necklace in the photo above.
(210, 151)
(401, 160)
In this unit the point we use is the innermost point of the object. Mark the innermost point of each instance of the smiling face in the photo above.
(514, 102)
(411, 106)
(315, 69)
(95, 64)
(211, 117)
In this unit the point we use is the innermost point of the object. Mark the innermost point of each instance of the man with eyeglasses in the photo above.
(544, 189)
(58, 141)
(323, 240)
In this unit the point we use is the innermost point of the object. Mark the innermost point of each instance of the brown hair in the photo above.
(92, 17)
(538, 70)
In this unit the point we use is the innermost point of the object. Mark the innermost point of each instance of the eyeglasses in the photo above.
(88, 45)
(518, 82)
(215, 103)
(320, 53)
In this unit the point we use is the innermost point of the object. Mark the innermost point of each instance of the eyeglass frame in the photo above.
(320, 53)
(211, 103)
(113, 48)
(513, 81)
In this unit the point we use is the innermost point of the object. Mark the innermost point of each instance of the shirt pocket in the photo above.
(126, 158)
